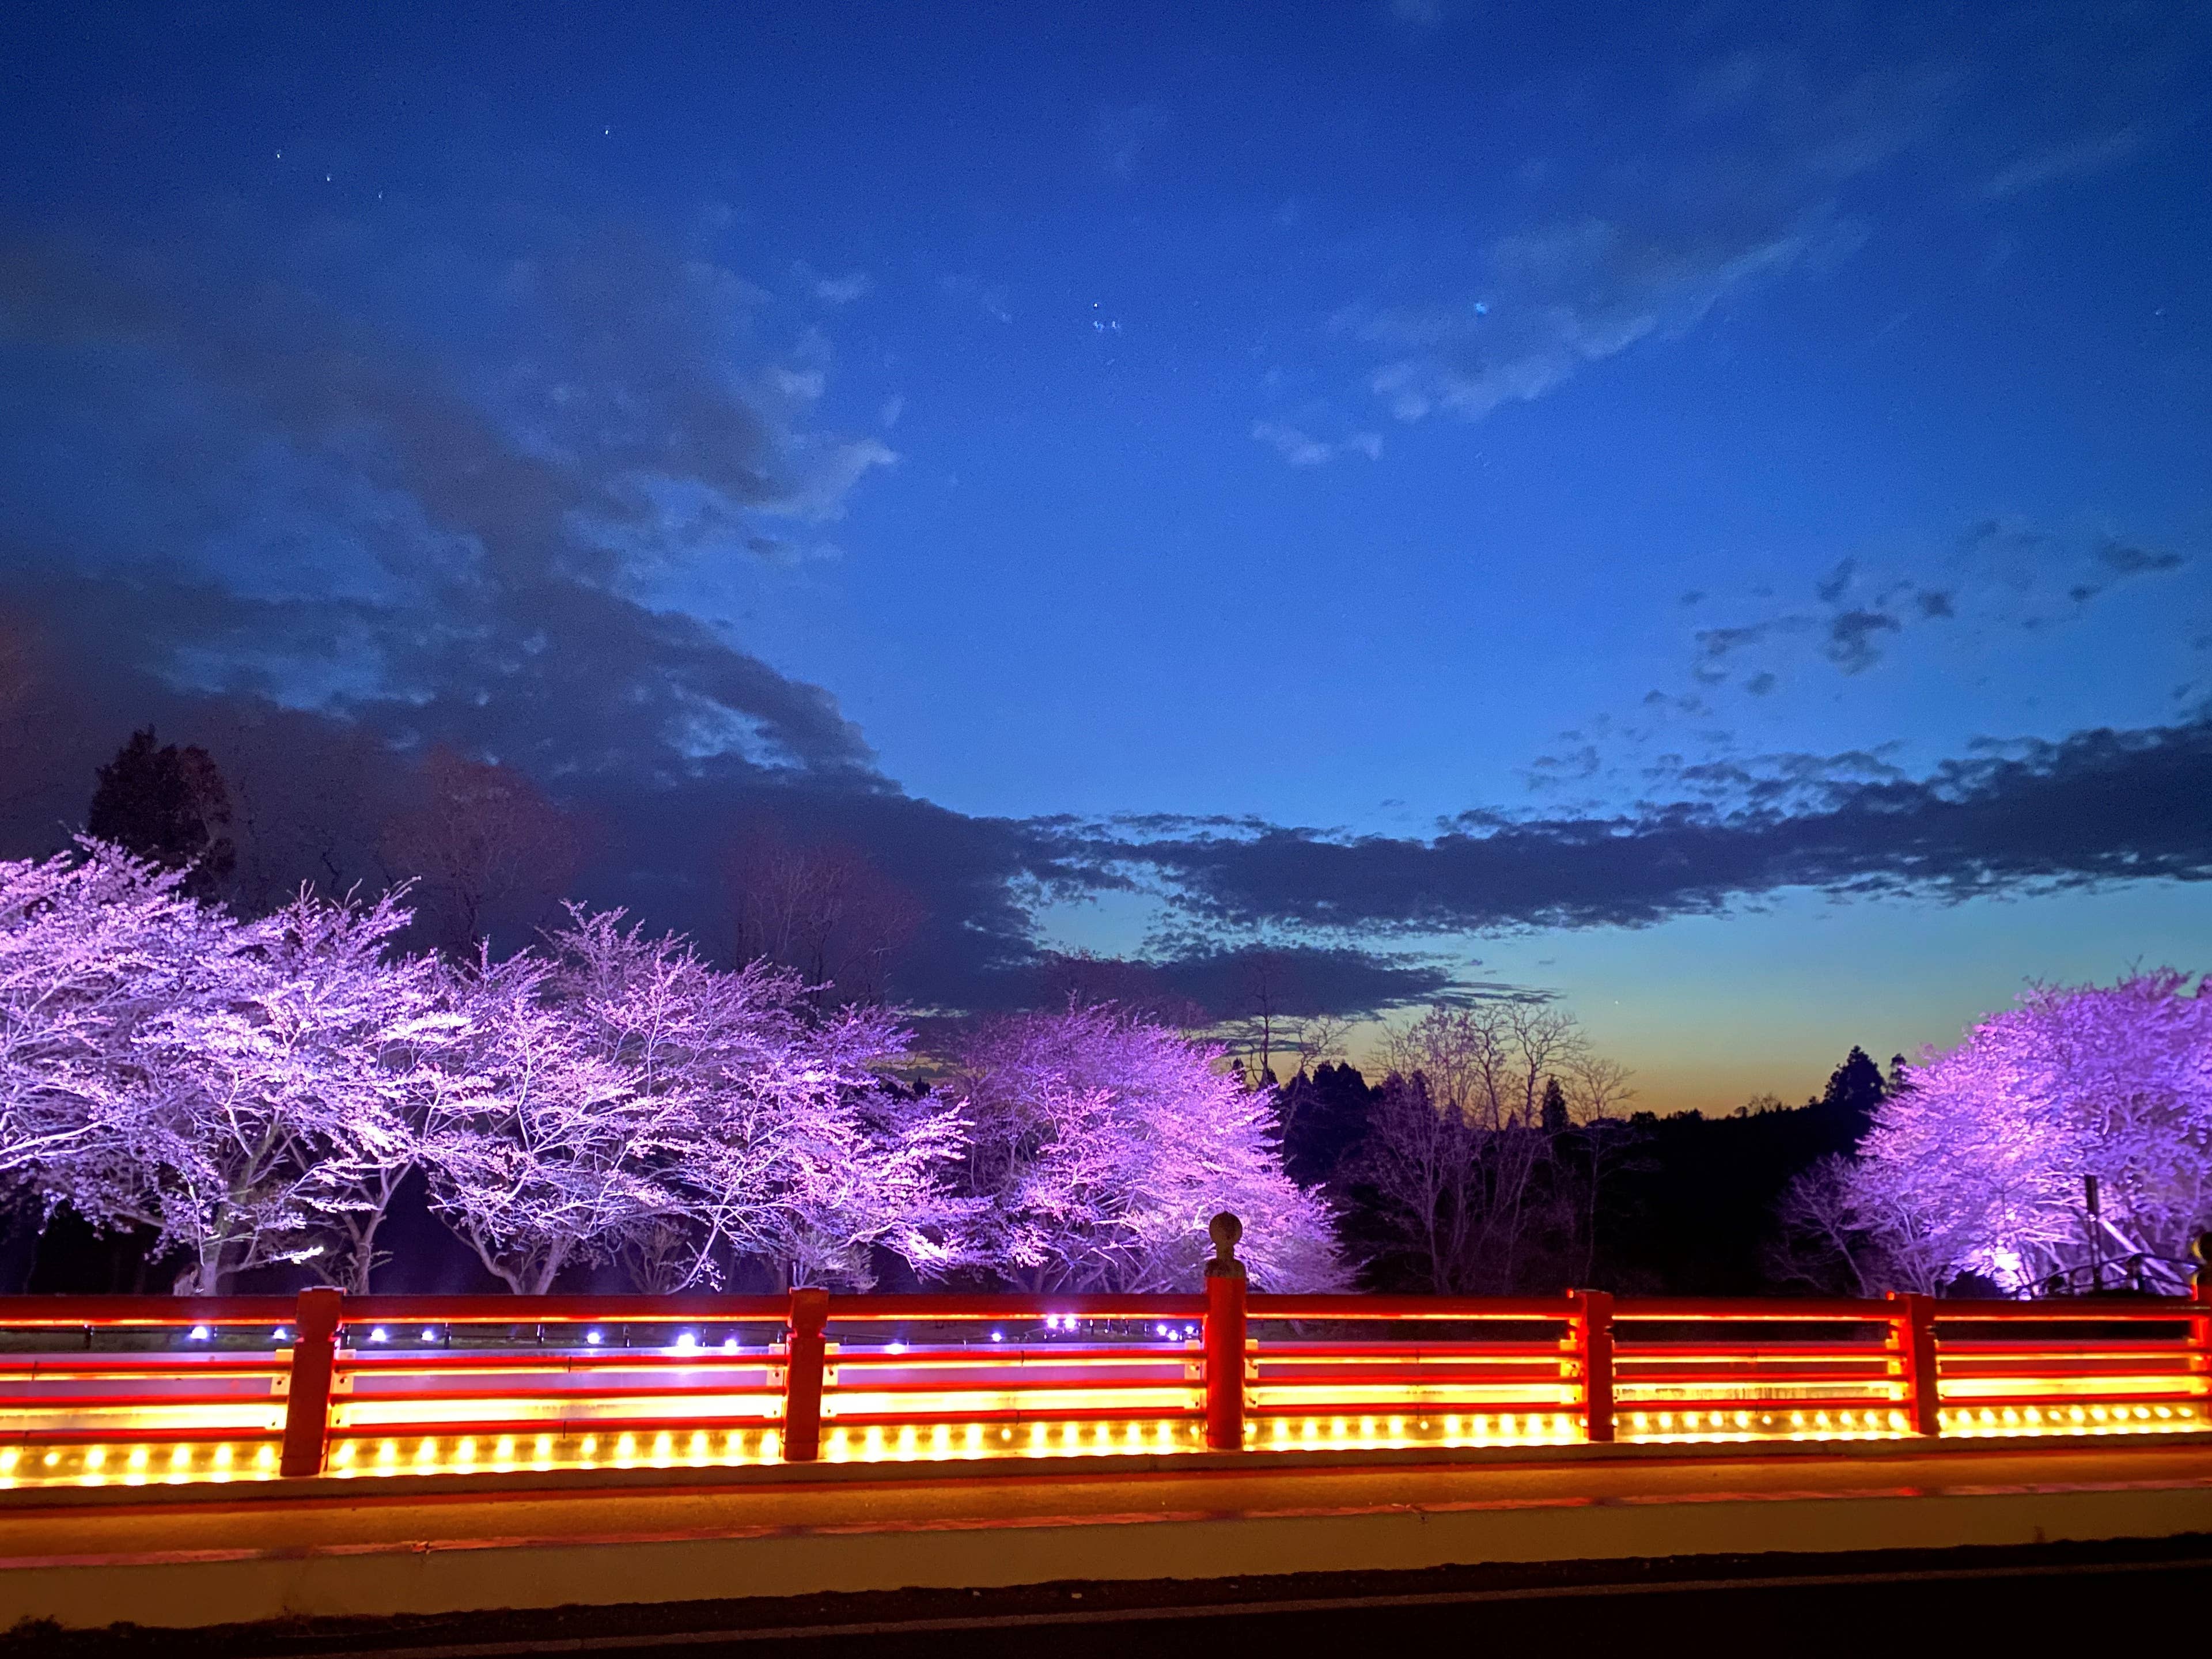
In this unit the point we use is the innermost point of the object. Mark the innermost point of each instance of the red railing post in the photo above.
(2200, 1292)
(307, 1400)
(1224, 1336)
(1593, 1323)
(803, 1347)
(1912, 1334)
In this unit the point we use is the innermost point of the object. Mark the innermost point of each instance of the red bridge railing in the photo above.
(98, 1391)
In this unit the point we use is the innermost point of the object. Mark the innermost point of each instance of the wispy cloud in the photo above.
(1301, 449)
(1125, 133)
(1422, 15)
(1567, 296)
(1748, 187)
(991, 297)
(843, 290)
(2076, 158)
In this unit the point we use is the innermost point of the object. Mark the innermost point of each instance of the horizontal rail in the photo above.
(1518, 1309)
(1011, 1355)
(405, 1361)
(1809, 1310)
(1012, 1310)
(562, 1309)
(40, 1312)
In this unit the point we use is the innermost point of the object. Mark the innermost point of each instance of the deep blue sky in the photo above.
(1742, 458)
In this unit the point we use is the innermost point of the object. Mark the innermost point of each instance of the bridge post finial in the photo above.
(1224, 1336)
(1225, 1229)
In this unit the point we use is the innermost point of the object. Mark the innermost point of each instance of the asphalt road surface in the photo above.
(1986, 1604)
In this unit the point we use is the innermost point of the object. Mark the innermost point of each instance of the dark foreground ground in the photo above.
(2113, 1598)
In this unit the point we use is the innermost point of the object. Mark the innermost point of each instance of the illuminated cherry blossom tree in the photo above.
(278, 1103)
(1978, 1164)
(786, 1143)
(1102, 1142)
(230, 1085)
(91, 944)
(542, 1149)
(624, 1097)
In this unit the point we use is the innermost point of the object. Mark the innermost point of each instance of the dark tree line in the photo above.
(1641, 1205)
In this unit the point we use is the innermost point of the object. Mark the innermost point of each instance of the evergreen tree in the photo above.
(169, 807)
(1555, 1107)
(1854, 1088)
(1328, 1123)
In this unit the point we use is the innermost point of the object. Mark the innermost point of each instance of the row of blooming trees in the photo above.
(256, 1092)
(1977, 1168)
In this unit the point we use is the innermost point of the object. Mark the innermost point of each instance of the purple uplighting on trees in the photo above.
(256, 1092)
(1099, 1143)
(1983, 1164)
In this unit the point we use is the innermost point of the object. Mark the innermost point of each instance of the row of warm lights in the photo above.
(141, 1464)
(506, 1454)
(135, 1466)
(1505, 1429)
(353, 1458)
(1748, 1426)
(876, 1444)
(2070, 1420)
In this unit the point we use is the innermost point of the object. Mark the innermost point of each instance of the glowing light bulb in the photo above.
(378, 1334)
(686, 1339)
(591, 1336)
(280, 1335)
(429, 1336)
(998, 1336)
(199, 1334)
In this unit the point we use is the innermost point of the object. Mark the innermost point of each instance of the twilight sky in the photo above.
(1703, 510)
